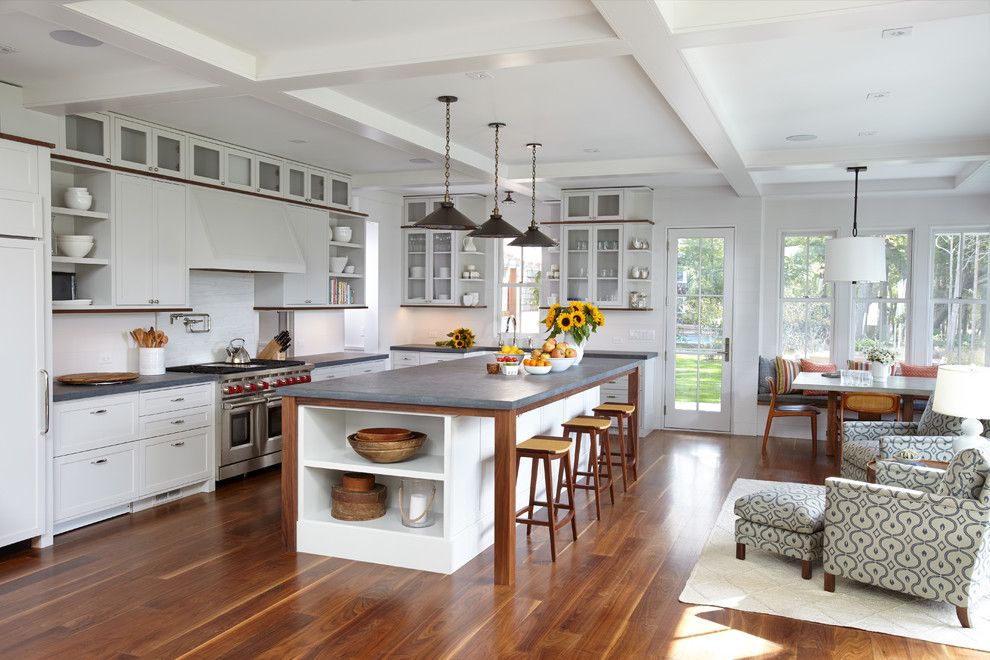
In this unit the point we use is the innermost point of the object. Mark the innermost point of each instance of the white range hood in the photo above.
(231, 231)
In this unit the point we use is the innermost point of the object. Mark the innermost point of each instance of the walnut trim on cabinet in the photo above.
(26, 140)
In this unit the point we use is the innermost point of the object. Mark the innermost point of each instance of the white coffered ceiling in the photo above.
(670, 93)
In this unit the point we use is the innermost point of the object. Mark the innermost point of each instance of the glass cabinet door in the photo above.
(608, 205)
(240, 169)
(416, 210)
(296, 181)
(577, 242)
(608, 266)
(415, 288)
(207, 161)
(317, 186)
(133, 144)
(169, 152)
(269, 175)
(578, 205)
(442, 266)
(340, 191)
(87, 136)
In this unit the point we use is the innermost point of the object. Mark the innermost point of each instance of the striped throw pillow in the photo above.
(864, 365)
(787, 371)
(818, 368)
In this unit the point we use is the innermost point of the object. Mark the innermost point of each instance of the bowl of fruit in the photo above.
(508, 359)
(560, 364)
(559, 355)
(537, 369)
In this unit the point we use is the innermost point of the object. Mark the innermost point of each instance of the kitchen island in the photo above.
(473, 421)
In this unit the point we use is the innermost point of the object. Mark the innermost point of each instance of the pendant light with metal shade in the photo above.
(533, 237)
(508, 198)
(856, 258)
(495, 226)
(446, 217)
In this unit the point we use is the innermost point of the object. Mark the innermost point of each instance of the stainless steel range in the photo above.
(250, 412)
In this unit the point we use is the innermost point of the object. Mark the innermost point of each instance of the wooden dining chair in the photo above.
(869, 407)
(791, 410)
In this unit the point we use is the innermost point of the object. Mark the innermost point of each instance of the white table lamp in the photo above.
(964, 391)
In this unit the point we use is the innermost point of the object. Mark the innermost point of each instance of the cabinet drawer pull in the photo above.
(180, 443)
(179, 421)
(101, 411)
(177, 399)
(100, 461)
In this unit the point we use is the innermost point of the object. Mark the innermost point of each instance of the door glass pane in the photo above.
(206, 162)
(269, 176)
(711, 274)
(341, 191)
(415, 211)
(688, 251)
(686, 382)
(806, 330)
(133, 145)
(416, 263)
(686, 330)
(297, 183)
(885, 322)
(607, 247)
(711, 336)
(238, 170)
(84, 134)
(317, 187)
(608, 205)
(578, 264)
(442, 275)
(579, 206)
(240, 428)
(169, 156)
(274, 422)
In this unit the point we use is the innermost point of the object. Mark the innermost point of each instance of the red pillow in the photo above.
(919, 370)
(816, 367)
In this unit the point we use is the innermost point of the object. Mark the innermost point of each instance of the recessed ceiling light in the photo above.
(801, 137)
(297, 141)
(7, 50)
(73, 38)
(591, 150)
(420, 160)
(868, 133)
(877, 96)
(894, 33)
(479, 75)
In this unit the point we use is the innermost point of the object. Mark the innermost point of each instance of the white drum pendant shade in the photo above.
(856, 259)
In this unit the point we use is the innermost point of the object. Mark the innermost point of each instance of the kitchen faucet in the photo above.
(511, 318)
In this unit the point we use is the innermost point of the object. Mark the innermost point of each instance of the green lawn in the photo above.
(688, 373)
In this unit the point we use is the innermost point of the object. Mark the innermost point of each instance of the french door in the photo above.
(698, 355)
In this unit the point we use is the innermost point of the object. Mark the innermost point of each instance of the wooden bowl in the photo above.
(358, 482)
(383, 435)
(387, 452)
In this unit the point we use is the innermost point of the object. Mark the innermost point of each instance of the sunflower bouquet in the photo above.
(459, 338)
(578, 319)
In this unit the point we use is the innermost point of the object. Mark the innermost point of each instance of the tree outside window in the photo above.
(806, 299)
(959, 297)
(519, 288)
(880, 309)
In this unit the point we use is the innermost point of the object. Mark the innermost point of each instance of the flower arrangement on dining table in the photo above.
(459, 338)
(881, 354)
(578, 318)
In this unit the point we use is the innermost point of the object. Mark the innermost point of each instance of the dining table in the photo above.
(908, 388)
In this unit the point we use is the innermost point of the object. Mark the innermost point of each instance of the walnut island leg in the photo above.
(505, 497)
(290, 472)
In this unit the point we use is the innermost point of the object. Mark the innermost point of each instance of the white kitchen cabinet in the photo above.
(370, 367)
(154, 402)
(340, 191)
(25, 390)
(240, 169)
(175, 421)
(403, 359)
(431, 261)
(308, 184)
(150, 266)
(592, 264)
(319, 188)
(599, 204)
(311, 229)
(144, 146)
(206, 161)
(427, 357)
(86, 135)
(90, 481)
(174, 460)
(268, 175)
(22, 208)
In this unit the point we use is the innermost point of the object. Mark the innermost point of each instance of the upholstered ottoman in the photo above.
(788, 519)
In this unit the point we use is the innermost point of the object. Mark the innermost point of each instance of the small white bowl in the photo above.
(79, 200)
(560, 364)
(342, 234)
(538, 371)
(74, 250)
(337, 264)
(74, 238)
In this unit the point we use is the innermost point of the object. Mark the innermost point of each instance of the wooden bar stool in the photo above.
(627, 459)
(543, 449)
(599, 445)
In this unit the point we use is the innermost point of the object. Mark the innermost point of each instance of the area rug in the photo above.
(772, 584)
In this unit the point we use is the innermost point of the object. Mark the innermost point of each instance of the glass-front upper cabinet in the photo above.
(442, 250)
(206, 161)
(269, 175)
(608, 205)
(295, 181)
(608, 266)
(169, 150)
(578, 205)
(593, 204)
(317, 180)
(132, 144)
(86, 136)
(577, 285)
(417, 209)
(340, 191)
(240, 169)
(415, 290)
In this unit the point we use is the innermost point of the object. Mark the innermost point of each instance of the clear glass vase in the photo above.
(416, 499)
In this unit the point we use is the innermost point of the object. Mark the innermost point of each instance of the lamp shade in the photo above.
(962, 391)
(856, 259)
(446, 217)
(495, 227)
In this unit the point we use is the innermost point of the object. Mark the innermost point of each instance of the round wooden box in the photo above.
(358, 505)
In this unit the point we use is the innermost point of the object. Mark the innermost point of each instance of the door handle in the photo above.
(728, 349)
(48, 417)
(101, 411)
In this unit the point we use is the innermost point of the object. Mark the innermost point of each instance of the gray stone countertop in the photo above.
(430, 348)
(340, 357)
(62, 392)
(461, 384)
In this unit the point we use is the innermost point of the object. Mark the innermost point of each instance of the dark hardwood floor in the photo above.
(207, 577)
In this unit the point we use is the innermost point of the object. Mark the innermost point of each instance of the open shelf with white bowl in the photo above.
(348, 242)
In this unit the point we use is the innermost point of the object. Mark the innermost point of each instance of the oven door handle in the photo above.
(242, 404)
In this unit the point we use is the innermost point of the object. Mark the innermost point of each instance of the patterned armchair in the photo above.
(919, 531)
(931, 437)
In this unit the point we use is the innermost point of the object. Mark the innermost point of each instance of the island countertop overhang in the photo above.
(462, 384)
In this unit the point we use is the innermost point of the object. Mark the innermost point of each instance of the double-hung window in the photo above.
(519, 287)
(880, 310)
(960, 261)
(806, 303)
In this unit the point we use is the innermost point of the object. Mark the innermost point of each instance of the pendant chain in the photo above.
(446, 159)
(533, 196)
(495, 212)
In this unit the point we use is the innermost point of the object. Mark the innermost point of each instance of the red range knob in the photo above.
(231, 389)
(264, 385)
(253, 387)
(280, 382)
(306, 379)
(240, 388)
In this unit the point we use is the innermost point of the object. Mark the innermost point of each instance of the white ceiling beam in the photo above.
(972, 172)
(691, 163)
(917, 152)
(90, 93)
(428, 178)
(832, 188)
(640, 25)
(888, 14)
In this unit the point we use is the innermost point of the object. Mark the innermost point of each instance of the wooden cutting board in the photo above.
(98, 378)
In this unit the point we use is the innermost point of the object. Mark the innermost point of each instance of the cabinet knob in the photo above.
(108, 160)
(223, 183)
(156, 169)
(151, 301)
(309, 301)
(157, 301)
